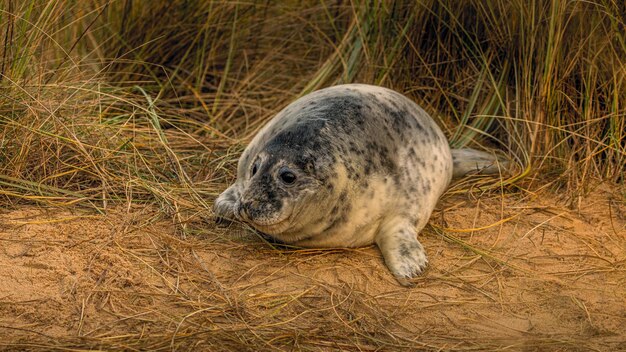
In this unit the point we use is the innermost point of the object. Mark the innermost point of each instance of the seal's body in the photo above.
(347, 166)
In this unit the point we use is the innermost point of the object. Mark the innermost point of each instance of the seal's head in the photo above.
(287, 178)
(278, 190)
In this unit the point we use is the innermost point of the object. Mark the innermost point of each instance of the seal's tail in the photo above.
(468, 160)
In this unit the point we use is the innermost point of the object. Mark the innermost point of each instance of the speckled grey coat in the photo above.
(346, 166)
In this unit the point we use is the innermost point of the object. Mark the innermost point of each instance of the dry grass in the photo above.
(537, 276)
(123, 101)
(134, 113)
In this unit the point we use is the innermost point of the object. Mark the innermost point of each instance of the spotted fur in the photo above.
(369, 165)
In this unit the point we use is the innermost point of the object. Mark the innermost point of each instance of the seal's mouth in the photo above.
(272, 229)
(268, 226)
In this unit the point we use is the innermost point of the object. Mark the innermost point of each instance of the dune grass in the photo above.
(118, 101)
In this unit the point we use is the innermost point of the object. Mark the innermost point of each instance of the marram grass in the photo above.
(152, 101)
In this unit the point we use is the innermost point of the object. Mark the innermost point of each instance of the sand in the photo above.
(507, 271)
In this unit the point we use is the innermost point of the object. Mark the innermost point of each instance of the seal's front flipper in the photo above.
(225, 206)
(403, 253)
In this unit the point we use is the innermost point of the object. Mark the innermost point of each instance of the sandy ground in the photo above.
(507, 272)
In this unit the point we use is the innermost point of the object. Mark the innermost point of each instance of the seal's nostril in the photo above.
(250, 206)
(247, 209)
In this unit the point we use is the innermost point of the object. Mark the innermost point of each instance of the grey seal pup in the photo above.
(348, 166)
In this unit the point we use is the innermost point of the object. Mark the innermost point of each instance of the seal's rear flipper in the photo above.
(467, 160)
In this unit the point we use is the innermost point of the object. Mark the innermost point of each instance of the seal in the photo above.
(348, 166)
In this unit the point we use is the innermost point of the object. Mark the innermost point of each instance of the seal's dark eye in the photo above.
(288, 177)
(254, 169)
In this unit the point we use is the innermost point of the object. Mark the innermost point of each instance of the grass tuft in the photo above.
(128, 101)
